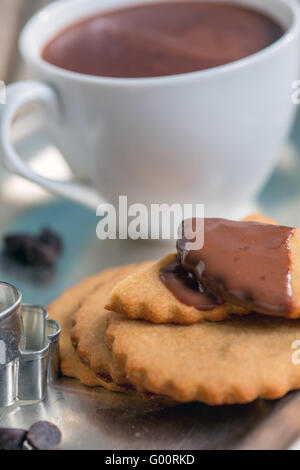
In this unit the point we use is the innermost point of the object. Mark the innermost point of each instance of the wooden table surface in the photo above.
(13, 15)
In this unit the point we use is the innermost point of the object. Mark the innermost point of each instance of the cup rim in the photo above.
(50, 69)
(5, 313)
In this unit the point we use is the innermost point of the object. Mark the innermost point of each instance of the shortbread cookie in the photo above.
(234, 361)
(90, 322)
(144, 296)
(62, 310)
(258, 217)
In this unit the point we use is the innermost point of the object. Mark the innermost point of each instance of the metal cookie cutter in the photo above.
(39, 353)
(29, 349)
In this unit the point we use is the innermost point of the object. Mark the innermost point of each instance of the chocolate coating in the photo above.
(245, 263)
(186, 287)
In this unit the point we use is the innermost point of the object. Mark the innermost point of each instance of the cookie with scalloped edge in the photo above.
(62, 310)
(90, 322)
(234, 361)
(144, 296)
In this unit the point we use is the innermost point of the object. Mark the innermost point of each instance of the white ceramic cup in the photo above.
(209, 137)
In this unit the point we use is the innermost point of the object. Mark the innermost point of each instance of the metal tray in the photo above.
(96, 418)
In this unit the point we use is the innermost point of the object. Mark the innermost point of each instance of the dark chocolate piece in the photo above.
(44, 436)
(41, 250)
(50, 238)
(12, 439)
(244, 263)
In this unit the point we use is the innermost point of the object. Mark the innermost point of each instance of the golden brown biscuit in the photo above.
(62, 310)
(258, 217)
(90, 322)
(144, 296)
(234, 361)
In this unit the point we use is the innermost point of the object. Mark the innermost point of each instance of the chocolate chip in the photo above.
(12, 439)
(39, 254)
(44, 436)
(50, 238)
(15, 245)
(41, 250)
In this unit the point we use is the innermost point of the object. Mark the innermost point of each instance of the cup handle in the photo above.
(17, 95)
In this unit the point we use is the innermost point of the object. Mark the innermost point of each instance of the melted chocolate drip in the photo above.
(186, 287)
(245, 263)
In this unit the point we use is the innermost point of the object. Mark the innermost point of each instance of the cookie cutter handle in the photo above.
(38, 364)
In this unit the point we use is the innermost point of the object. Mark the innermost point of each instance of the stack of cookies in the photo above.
(225, 333)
